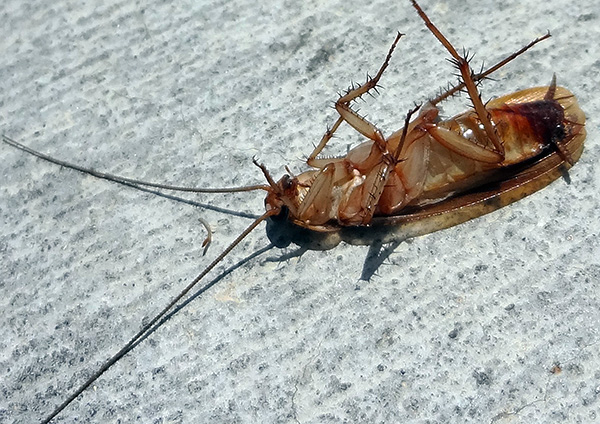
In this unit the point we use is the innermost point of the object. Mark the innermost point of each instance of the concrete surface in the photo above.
(494, 321)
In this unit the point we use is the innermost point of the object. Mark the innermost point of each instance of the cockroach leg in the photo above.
(371, 83)
(404, 132)
(388, 163)
(482, 75)
(462, 63)
(359, 123)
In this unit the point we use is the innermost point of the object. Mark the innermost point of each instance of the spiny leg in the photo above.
(400, 145)
(462, 63)
(382, 173)
(371, 82)
(482, 75)
(318, 198)
(358, 122)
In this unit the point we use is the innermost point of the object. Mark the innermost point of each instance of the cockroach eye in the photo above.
(287, 182)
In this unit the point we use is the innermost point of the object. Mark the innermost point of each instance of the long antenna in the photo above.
(119, 179)
(146, 328)
(130, 182)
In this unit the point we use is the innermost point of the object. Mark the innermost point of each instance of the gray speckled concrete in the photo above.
(463, 325)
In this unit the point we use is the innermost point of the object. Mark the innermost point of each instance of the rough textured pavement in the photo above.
(493, 321)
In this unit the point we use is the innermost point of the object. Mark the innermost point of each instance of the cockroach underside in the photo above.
(431, 174)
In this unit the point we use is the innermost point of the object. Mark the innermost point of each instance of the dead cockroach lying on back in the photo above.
(429, 175)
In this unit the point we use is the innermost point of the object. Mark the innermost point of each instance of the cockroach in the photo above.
(429, 175)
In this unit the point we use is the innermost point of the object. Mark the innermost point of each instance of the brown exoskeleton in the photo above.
(429, 161)
(428, 175)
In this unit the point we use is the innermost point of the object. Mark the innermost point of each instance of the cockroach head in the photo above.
(282, 194)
